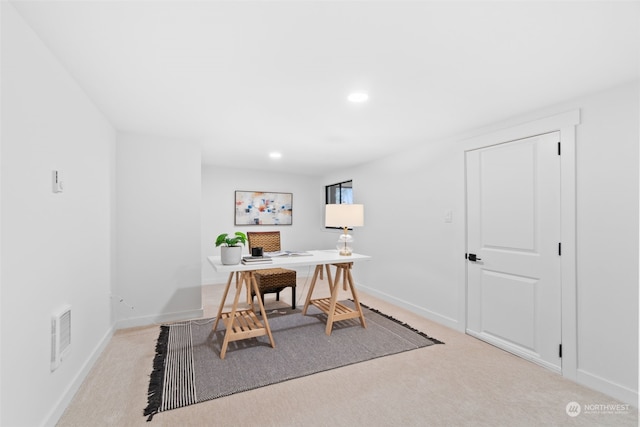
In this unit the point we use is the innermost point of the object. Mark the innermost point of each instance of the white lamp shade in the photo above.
(344, 215)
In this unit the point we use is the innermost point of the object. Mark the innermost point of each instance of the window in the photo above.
(339, 193)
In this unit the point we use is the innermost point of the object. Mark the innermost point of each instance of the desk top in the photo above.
(330, 256)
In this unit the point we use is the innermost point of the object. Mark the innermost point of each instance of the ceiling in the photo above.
(244, 78)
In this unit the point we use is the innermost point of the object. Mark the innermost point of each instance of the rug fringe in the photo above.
(400, 322)
(154, 395)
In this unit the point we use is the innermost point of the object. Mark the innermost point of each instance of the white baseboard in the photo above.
(607, 387)
(61, 405)
(431, 315)
(133, 322)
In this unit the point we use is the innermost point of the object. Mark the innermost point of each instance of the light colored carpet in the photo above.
(464, 382)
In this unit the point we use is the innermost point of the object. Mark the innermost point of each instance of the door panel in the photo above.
(510, 227)
(513, 226)
(515, 321)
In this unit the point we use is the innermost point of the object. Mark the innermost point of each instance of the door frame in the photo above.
(565, 123)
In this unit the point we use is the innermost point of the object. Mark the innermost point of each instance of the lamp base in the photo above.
(345, 244)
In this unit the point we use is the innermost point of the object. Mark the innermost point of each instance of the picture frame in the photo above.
(263, 208)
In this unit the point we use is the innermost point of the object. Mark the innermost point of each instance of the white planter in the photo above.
(230, 255)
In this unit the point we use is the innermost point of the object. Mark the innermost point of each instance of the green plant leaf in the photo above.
(241, 237)
(224, 239)
(221, 239)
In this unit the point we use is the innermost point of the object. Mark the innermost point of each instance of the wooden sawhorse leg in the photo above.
(336, 310)
(224, 299)
(242, 324)
(330, 306)
(317, 273)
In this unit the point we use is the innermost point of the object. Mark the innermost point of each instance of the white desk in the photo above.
(329, 256)
(242, 324)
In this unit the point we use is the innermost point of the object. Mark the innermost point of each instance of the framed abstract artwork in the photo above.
(263, 208)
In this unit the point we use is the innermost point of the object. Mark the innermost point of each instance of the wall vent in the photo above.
(60, 336)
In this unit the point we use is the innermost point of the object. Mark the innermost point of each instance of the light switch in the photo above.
(448, 215)
(56, 177)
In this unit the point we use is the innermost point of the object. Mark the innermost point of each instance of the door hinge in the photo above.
(559, 248)
(559, 151)
(560, 351)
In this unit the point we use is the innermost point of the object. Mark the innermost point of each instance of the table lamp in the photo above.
(344, 216)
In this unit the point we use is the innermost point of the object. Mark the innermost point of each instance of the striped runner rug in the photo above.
(187, 368)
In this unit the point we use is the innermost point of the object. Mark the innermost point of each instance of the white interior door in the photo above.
(513, 230)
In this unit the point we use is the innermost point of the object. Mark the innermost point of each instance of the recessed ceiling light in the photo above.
(358, 97)
(275, 155)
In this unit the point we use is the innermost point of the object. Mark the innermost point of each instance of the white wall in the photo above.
(158, 230)
(218, 187)
(406, 195)
(607, 230)
(55, 247)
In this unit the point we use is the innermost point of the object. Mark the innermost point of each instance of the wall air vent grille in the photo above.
(60, 336)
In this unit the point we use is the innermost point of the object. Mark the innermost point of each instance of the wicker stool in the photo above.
(275, 280)
(272, 280)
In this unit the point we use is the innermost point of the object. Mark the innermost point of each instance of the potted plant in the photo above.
(231, 251)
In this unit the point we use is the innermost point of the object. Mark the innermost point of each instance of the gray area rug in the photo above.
(188, 369)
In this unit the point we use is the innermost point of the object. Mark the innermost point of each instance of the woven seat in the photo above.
(272, 280)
